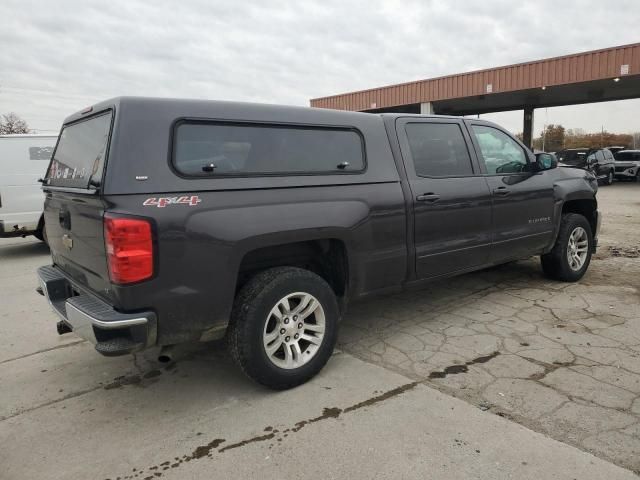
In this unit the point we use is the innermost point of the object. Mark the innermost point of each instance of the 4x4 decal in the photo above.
(162, 202)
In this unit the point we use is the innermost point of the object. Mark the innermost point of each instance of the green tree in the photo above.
(553, 138)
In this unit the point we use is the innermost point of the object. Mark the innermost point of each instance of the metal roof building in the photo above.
(587, 77)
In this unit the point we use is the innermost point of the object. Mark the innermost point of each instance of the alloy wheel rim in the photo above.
(294, 330)
(577, 248)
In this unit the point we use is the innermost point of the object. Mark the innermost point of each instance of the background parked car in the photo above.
(598, 161)
(615, 149)
(627, 165)
(23, 160)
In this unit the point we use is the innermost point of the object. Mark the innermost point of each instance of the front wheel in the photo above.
(610, 177)
(284, 326)
(569, 259)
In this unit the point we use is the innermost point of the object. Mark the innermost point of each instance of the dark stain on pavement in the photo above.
(260, 438)
(548, 368)
(137, 379)
(122, 381)
(156, 471)
(204, 450)
(332, 412)
(382, 397)
(463, 368)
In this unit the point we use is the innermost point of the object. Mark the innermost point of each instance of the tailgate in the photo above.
(76, 238)
(74, 207)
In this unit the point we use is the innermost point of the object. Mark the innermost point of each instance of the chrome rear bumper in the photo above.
(112, 332)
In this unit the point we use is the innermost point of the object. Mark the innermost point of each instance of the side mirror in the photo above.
(546, 161)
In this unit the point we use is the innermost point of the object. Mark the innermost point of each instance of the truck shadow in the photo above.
(22, 248)
(449, 291)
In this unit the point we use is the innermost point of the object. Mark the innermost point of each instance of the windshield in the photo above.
(79, 157)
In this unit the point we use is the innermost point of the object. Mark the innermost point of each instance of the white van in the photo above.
(23, 160)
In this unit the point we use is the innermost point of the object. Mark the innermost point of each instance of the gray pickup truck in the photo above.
(174, 221)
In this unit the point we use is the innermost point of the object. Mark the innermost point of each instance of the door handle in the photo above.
(428, 197)
(502, 191)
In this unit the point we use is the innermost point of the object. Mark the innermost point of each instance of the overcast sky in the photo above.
(57, 57)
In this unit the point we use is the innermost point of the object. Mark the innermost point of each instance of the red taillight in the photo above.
(129, 246)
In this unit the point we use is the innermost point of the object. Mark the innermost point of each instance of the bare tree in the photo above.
(12, 123)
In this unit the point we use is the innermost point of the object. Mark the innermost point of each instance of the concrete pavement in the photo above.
(526, 358)
(66, 412)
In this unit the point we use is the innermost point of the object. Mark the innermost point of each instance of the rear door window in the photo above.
(438, 150)
(78, 160)
(212, 149)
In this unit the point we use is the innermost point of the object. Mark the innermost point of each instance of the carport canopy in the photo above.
(587, 77)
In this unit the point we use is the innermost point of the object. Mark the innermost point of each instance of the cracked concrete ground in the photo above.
(68, 413)
(562, 359)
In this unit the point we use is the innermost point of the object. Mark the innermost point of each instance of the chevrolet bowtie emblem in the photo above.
(67, 241)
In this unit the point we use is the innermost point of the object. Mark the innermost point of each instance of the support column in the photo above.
(527, 129)
(426, 109)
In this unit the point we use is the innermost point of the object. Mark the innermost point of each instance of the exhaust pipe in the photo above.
(166, 354)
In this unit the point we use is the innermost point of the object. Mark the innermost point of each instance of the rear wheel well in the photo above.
(327, 258)
(585, 207)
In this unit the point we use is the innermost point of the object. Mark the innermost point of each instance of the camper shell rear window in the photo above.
(210, 149)
(78, 160)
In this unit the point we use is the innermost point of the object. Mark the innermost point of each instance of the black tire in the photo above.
(609, 179)
(41, 232)
(250, 312)
(555, 264)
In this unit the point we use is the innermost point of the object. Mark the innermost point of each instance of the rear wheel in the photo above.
(284, 327)
(569, 259)
(609, 180)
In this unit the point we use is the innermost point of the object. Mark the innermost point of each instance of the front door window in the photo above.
(500, 153)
